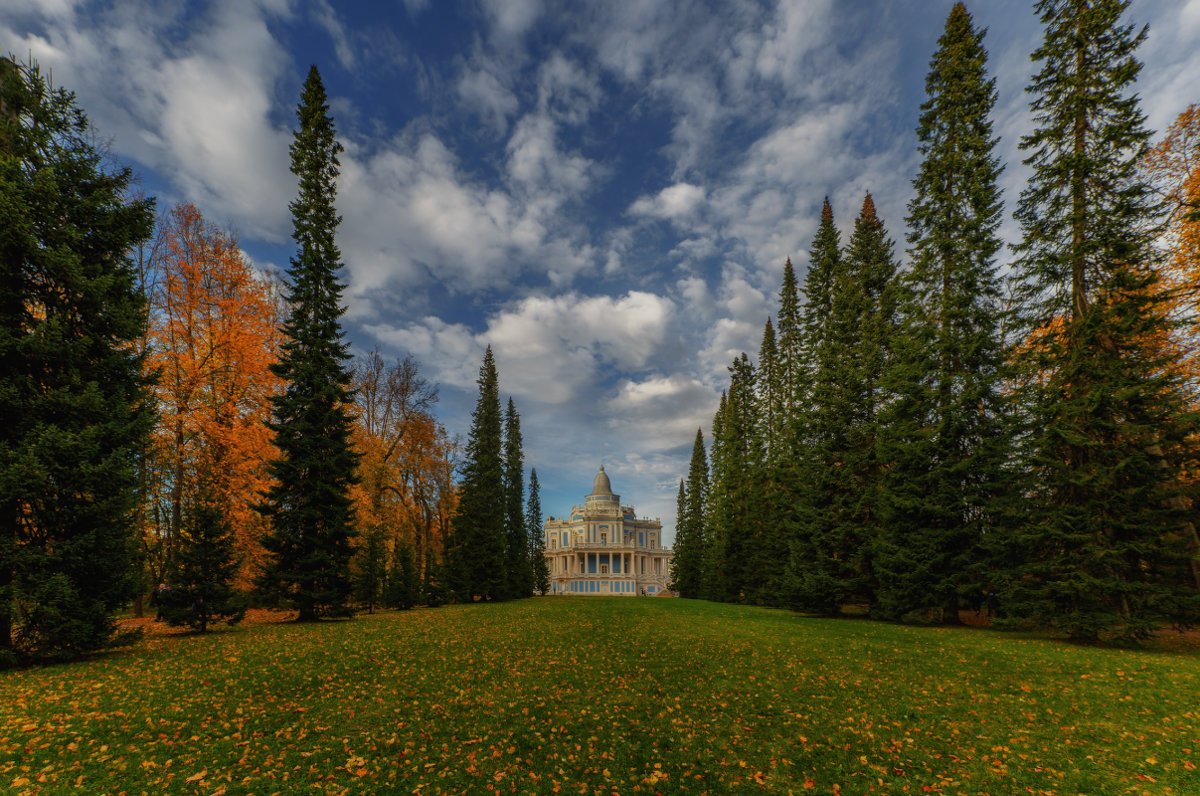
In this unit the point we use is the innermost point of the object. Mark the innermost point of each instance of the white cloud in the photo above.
(511, 18)
(198, 110)
(675, 202)
(566, 91)
(536, 164)
(481, 91)
(548, 349)
(412, 216)
(327, 18)
(663, 412)
(781, 50)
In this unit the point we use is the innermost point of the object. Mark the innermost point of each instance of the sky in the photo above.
(604, 191)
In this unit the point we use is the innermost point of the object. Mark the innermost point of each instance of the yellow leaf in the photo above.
(198, 777)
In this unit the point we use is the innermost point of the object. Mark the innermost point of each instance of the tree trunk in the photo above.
(8, 549)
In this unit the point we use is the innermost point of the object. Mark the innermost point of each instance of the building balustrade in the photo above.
(632, 567)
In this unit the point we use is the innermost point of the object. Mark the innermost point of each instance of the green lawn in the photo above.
(605, 695)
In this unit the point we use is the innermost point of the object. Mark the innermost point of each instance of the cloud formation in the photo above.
(605, 193)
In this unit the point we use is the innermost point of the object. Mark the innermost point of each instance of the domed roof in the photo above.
(601, 485)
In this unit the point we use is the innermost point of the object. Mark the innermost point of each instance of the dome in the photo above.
(601, 486)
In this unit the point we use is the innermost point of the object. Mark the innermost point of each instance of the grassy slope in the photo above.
(604, 695)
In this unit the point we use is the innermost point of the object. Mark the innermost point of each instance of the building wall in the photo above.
(603, 548)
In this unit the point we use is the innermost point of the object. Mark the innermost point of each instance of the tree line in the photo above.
(919, 438)
(181, 427)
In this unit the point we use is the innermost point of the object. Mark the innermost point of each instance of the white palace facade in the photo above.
(605, 548)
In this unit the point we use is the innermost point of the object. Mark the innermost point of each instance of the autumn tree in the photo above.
(73, 391)
(1107, 432)
(309, 505)
(212, 338)
(1172, 167)
(405, 473)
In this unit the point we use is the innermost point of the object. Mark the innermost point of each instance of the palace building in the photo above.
(605, 548)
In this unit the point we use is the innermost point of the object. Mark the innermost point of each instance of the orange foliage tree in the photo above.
(406, 486)
(1172, 166)
(212, 332)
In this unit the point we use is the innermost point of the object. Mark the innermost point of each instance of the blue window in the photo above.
(641, 539)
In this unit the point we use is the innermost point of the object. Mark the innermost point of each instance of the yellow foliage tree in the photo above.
(212, 333)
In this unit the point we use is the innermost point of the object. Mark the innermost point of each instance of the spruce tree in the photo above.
(73, 396)
(770, 393)
(309, 505)
(737, 534)
(841, 522)
(691, 537)
(370, 572)
(477, 530)
(680, 536)
(944, 446)
(404, 583)
(537, 536)
(824, 263)
(811, 481)
(714, 552)
(1101, 547)
(769, 488)
(517, 565)
(790, 342)
(201, 576)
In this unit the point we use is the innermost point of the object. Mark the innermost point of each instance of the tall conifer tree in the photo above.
(841, 521)
(823, 264)
(680, 535)
(734, 510)
(537, 536)
(944, 447)
(691, 537)
(309, 505)
(815, 429)
(771, 409)
(517, 566)
(1101, 546)
(790, 342)
(477, 530)
(72, 391)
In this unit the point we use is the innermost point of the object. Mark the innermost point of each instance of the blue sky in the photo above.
(605, 191)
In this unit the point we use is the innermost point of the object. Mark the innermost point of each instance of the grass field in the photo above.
(605, 695)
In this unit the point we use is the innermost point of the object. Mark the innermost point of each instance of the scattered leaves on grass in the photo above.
(603, 696)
